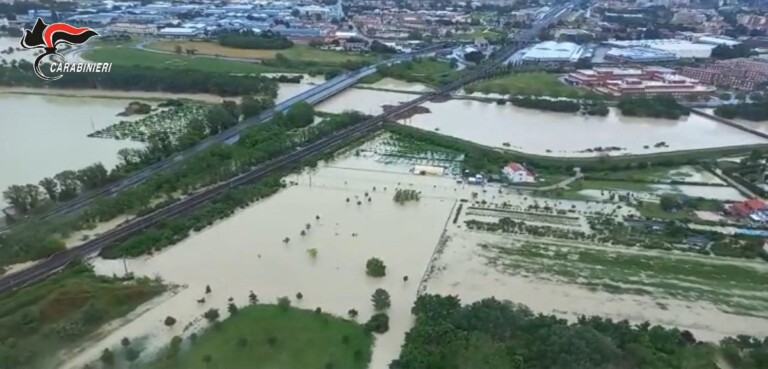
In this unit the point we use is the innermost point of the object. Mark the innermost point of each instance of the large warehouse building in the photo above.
(682, 49)
(554, 52)
(639, 55)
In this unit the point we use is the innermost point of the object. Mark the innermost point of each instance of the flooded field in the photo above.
(41, 146)
(33, 145)
(365, 101)
(569, 279)
(247, 252)
(13, 42)
(549, 133)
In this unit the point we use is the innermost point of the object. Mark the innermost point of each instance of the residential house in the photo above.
(516, 172)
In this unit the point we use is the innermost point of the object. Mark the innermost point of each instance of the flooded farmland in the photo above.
(246, 252)
(33, 145)
(42, 146)
(549, 133)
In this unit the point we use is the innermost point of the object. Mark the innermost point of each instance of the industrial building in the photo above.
(554, 52)
(179, 32)
(646, 81)
(639, 55)
(682, 49)
(133, 28)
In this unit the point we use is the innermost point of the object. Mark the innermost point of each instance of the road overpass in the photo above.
(313, 96)
(60, 260)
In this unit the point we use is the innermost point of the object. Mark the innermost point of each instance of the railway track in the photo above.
(314, 96)
(60, 260)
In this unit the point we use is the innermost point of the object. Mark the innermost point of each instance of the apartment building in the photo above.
(740, 74)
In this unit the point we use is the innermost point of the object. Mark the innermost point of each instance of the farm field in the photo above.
(534, 84)
(143, 58)
(297, 52)
(713, 297)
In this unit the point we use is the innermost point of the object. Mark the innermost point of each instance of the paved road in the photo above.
(736, 185)
(60, 260)
(313, 96)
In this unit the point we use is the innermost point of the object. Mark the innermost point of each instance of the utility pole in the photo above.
(125, 266)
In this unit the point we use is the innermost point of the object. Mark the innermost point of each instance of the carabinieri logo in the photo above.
(49, 36)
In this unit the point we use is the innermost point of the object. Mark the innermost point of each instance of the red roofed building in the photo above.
(516, 172)
(744, 208)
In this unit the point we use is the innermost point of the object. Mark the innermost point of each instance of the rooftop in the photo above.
(551, 50)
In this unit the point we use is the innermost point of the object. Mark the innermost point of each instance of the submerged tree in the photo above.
(169, 321)
(232, 308)
(107, 357)
(211, 315)
(252, 298)
(403, 196)
(283, 303)
(312, 252)
(374, 267)
(378, 323)
(380, 299)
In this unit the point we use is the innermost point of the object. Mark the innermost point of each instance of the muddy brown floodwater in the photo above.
(245, 252)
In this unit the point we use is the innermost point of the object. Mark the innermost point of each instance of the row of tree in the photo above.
(660, 106)
(492, 334)
(68, 184)
(262, 142)
(249, 39)
(61, 187)
(754, 111)
(134, 78)
(219, 163)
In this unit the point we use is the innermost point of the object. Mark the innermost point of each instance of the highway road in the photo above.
(60, 260)
(313, 96)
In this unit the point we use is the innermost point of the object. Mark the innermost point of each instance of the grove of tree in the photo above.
(493, 334)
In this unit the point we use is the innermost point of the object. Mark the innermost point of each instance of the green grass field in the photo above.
(530, 84)
(58, 313)
(428, 71)
(135, 57)
(300, 339)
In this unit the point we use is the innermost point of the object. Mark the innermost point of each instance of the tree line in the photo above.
(135, 78)
(754, 111)
(249, 39)
(217, 163)
(493, 334)
(660, 106)
(69, 184)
